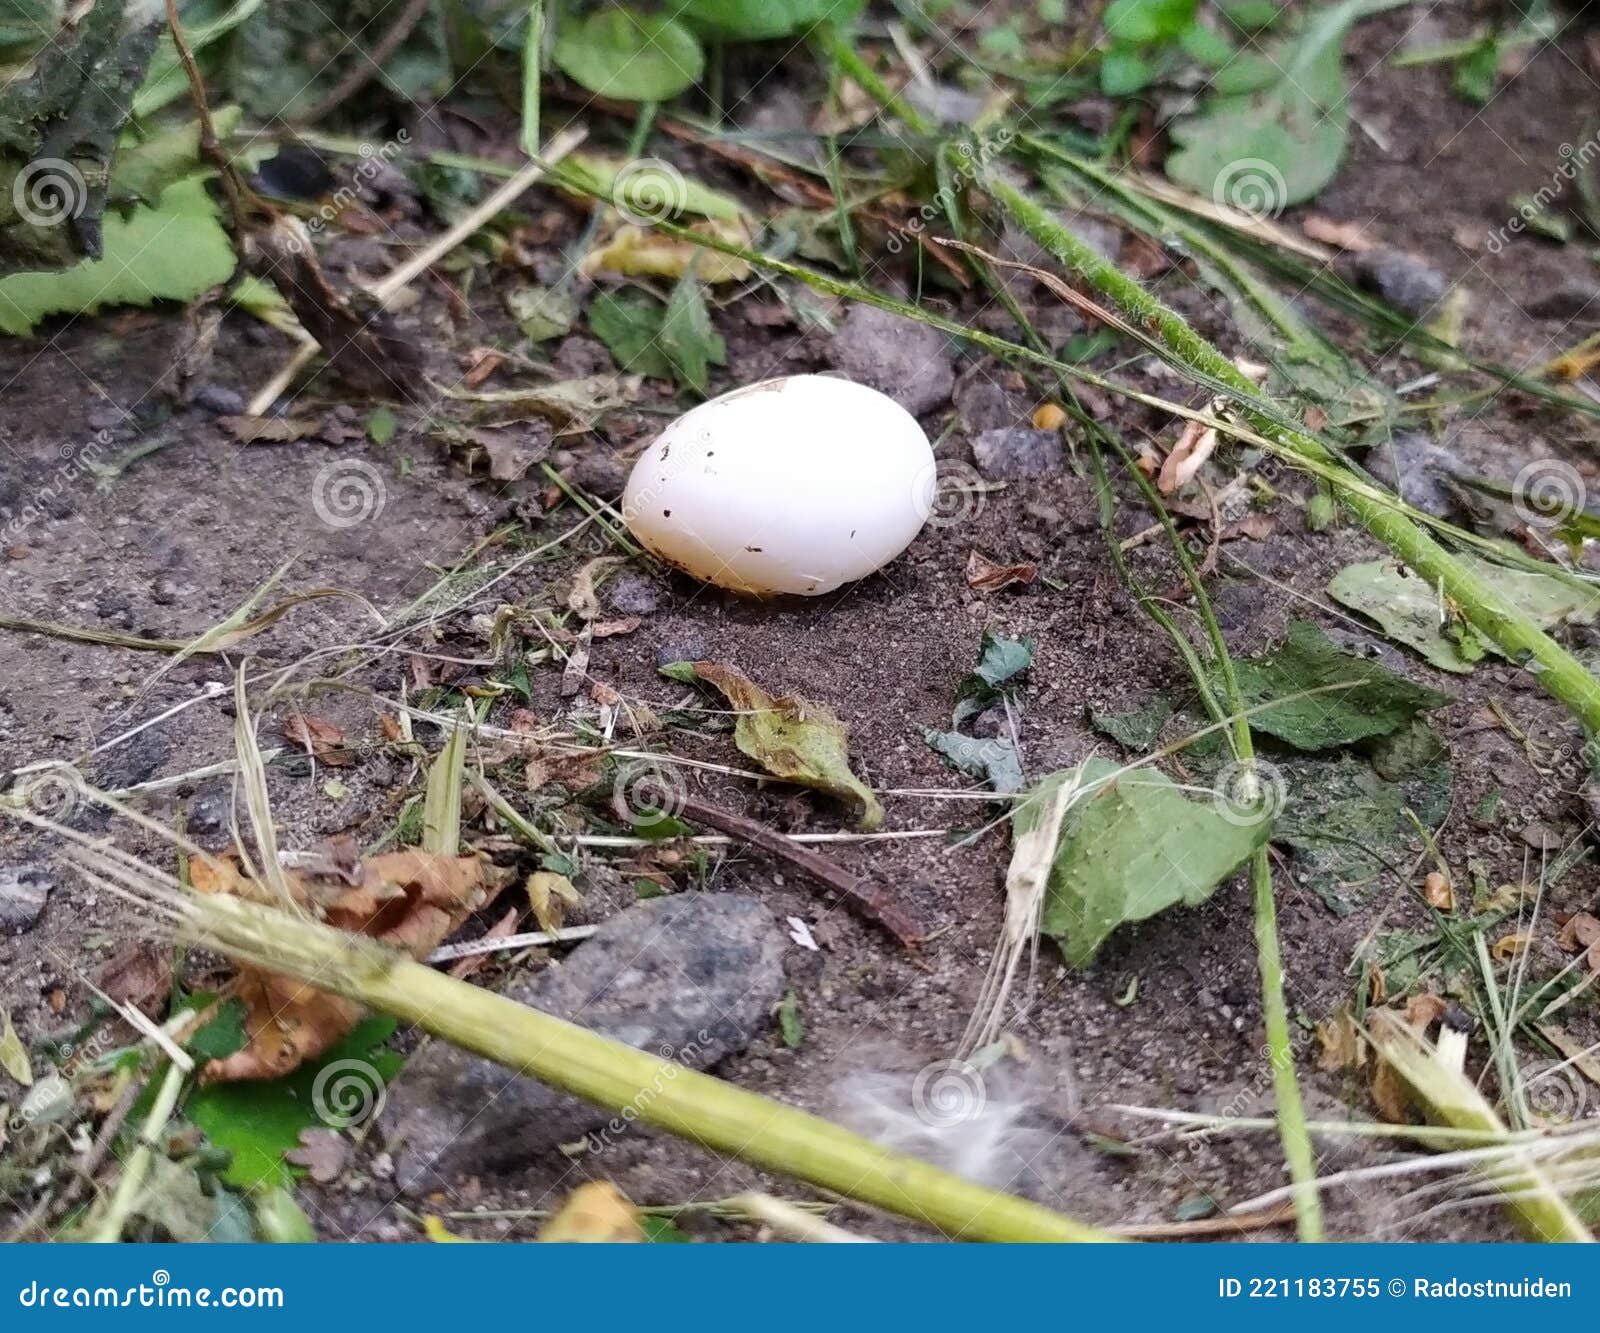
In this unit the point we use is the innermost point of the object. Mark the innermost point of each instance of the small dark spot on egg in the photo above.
(666, 513)
(756, 549)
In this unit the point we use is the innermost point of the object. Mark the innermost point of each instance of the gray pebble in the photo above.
(691, 978)
(898, 356)
(23, 891)
(1019, 453)
(1407, 282)
(685, 650)
(1418, 470)
(219, 401)
(634, 595)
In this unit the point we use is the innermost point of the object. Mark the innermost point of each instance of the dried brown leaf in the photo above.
(986, 575)
(320, 738)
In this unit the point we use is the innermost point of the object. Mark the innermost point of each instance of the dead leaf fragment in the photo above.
(320, 738)
(1582, 933)
(595, 1213)
(986, 575)
(793, 739)
(550, 895)
(322, 1152)
(139, 975)
(13, 1055)
(270, 430)
(1438, 892)
(409, 899)
(649, 252)
(1343, 1046)
(1510, 946)
(1351, 236)
(1194, 446)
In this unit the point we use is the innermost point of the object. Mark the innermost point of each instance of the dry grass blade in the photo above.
(441, 805)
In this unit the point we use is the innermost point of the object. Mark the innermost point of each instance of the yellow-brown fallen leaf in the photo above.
(986, 575)
(594, 1213)
(1437, 890)
(550, 895)
(1509, 946)
(1194, 446)
(1390, 1092)
(1343, 1046)
(409, 899)
(649, 252)
(1581, 933)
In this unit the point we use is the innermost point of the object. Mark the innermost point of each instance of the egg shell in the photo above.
(793, 485)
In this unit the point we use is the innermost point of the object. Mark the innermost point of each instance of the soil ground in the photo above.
(186, 533)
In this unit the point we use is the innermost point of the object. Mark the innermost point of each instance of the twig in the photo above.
(367, 64)
(210, 146)
(867, 899)
(496, 944)
(1227, 1224)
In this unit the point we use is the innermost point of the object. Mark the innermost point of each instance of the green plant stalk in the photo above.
(694, 1106)
(1483, 607)
(532, 60)
(1288, 1104)
(109, 1232)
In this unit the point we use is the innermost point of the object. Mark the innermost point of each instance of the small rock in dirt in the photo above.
(207, 817)
(107, 418)
(986, 405)
(602, 474)
(691, 650)
(134, 762)
(908, 361)
(634, 595)
(1418, 470)
(1576, 298)
(23, 891)
(1407, 282)
(691, 978)
(218, 400)
(1020, 453)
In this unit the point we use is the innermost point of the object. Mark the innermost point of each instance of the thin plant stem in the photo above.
(137, 1167)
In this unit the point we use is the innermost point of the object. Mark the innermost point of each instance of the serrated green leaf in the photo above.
(1130, 847)
(629, 324)
(687, 338)
(173, 252)
(1370, 699)
(1138, 728)
(543, 313)
(616, 52)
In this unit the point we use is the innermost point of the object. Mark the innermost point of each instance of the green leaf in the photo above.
(640, 58)
(795, 739)
(1249, 15)
(281, 1221)
(1476, 72)
(172, 252)
(1130, 848)
(1206, 46)
(1001, 664)
(687, 338)
(993, 759)
(1001, 661)
(381, 424)
(1137, 729)
(1123, 71)
(1280, 144)
(1409, 611)
(259, 1122)
(13, 1055)
(165, 79)
(222, 1034)
(661, 1231)
(790, 1024)
(648, 192)
(1372, 700)
(543, 313)
(629, 324)
(762, 20)
(1142, 22)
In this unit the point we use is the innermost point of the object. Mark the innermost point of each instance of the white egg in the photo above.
(793, 485)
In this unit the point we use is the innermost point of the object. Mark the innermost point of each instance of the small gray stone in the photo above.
(107, 418)
(1020, 453)
(908, 361)
(23, 890)
(634, 595)
(986, 405)
(218, 400)
(691, 978)
(1418, 470)
(602, 474)
(1407, 282)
